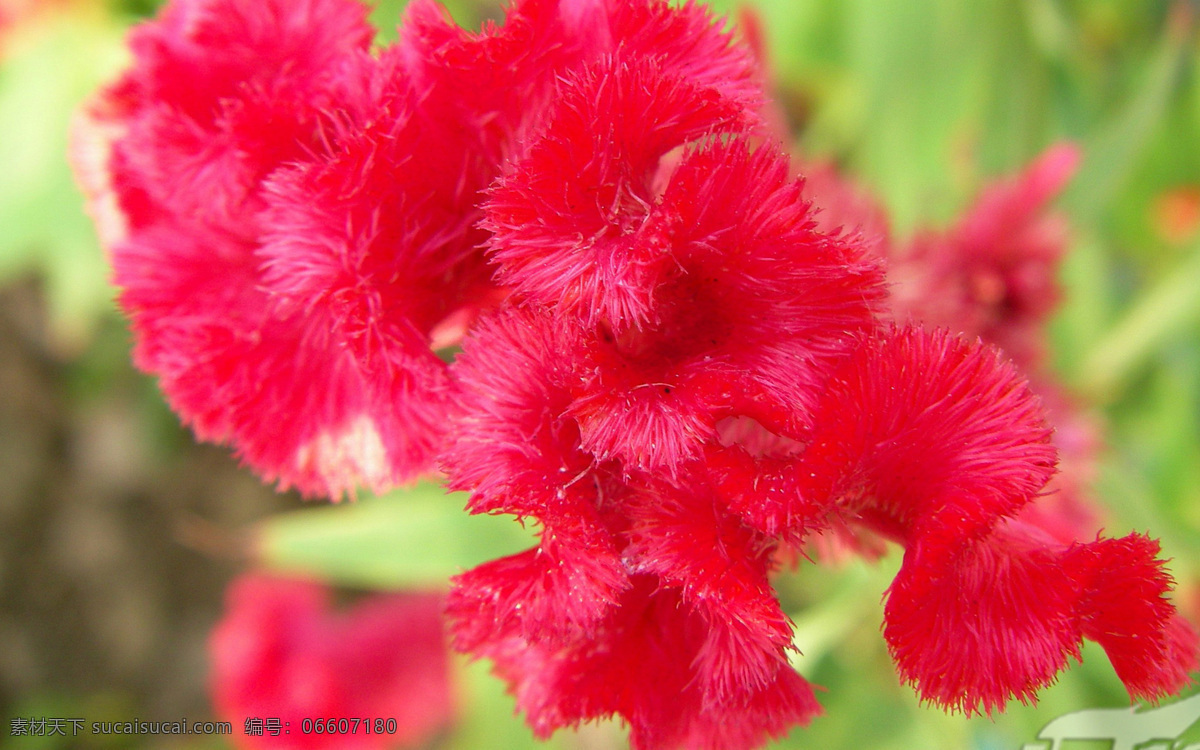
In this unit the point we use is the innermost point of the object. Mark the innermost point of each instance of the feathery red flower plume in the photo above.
(672, 362)
(985, 607)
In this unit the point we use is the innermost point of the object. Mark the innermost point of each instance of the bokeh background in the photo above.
(120, 534)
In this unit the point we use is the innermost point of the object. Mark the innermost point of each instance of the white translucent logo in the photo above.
(1133, 728)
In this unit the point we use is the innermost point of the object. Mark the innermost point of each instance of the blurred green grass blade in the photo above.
(1087, 307)
(492, 721)
(1160, 427)
(852, 603)
(60, 59)
(1128, 493)
(915, 104)
(409, 538)
(1162, 312)
(1111, 154)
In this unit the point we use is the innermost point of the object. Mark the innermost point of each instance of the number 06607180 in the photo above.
(348, 726)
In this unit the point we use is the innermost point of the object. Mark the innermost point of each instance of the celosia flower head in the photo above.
(280, 652)
(672, 361)
(221, 96)
(984, 608)
(992, 275)
(294, 222)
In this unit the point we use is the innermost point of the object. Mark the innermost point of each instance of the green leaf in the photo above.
(491, 719)
(60, 59)
(1113, 151)
(1086, 311)
(1160, 313)
(409, 538)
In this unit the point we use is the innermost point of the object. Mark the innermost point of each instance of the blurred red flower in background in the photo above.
(282, 652)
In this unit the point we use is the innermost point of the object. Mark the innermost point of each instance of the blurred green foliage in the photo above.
(49, 62)
(410, 539)
(922, 100)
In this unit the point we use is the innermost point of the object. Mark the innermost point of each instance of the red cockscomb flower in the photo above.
(279, 652)
(581, 229)
(844, 206)
(693, 377)
(985, 607)
(329, 200)
(601, 433)
(222, 95)
(671, 361)
(742, 299)
(638, 663)
(991, 275)
(644, 598)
